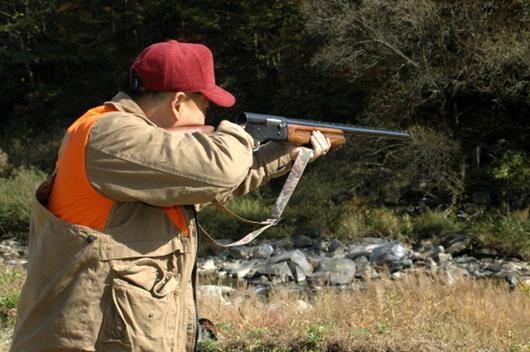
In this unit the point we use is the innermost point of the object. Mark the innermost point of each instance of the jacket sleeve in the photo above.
(128, 159)
(270, 160)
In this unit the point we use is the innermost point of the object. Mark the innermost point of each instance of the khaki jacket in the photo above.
(129, 286)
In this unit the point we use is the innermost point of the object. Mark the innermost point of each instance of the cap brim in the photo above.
(219, 96)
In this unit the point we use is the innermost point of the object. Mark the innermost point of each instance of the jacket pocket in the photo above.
(143, 306)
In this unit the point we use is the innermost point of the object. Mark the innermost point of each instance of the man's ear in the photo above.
(175, 102)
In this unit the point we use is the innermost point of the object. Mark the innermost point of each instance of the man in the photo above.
(113, 243)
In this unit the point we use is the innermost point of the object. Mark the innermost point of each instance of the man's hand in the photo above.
(319, 143)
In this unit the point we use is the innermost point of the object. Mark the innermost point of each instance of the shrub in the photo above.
(36, 151)
(357, 221)
(507, 235)
(434, 223)
(512, 172)
(16, 193)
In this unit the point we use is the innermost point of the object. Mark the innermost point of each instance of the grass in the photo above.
(416, 313)
(15, 201)
(11, 281)
(508, 234)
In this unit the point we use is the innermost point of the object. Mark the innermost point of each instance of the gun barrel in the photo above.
(249, 117)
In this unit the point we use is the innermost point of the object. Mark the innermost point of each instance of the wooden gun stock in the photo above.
(300, 134)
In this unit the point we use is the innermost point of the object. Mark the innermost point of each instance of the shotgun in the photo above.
(269, 127)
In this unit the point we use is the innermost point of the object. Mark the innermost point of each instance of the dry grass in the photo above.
(411, 314)
(415, 313)
(11, 280)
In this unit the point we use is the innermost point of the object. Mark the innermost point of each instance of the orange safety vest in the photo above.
(73, 198)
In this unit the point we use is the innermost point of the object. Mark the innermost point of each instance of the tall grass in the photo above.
(16, 192)
(416, 313)
(508, 234)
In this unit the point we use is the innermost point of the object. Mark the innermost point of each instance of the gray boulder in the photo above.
(263, 251)
(388, 253)
(335, 271)
(297, 257)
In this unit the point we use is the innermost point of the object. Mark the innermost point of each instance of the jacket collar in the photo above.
(124, 103)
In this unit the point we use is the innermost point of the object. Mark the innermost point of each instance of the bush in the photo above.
(434, 223)
(16, 193)
(35, 151)
(507, 235)
(359, 220)
(512, 173)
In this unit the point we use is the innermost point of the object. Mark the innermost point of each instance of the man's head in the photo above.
(178, 67)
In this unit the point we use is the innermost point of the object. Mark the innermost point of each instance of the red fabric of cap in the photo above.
(180, 67)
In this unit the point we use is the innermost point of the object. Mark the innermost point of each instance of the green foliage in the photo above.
(512, 172)
(457, 72)
(39, 151)
(209, 345)
(10, 282)
(8, 305)
(315, 333)
(459, 68)
(508, 235)
(434, 223)
(16, 193)
(357, 221)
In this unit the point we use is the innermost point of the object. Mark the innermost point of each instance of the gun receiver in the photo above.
(269, 127)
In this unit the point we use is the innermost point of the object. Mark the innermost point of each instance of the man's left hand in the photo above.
(319, 143)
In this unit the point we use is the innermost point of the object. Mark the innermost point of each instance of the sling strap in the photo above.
(281, 202)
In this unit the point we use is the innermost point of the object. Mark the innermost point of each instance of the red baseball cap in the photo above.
(173, 66)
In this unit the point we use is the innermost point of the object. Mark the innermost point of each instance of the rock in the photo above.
(396, 276)
(298, 258)
(400, 265)
(241, 269)
(449, 273)
(262, 251)
(281, 271)
(431, 265)
(443, 258)
(359, 250)
(457, 244)
(302, 306)
(297, 272)
(334, 245)
(240, 252)
(388, 253)
(512, 281)
(207, 267)
(465, 259)
(215, 290)
(302, 241)
(321, 245)
(336, 271)
(363, 269)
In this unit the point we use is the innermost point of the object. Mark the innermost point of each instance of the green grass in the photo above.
(16, 192)
(508, 234)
